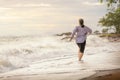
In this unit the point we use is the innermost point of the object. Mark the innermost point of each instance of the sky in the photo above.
(35, 17)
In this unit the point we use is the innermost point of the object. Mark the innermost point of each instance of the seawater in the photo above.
(50, 55)
(19, 52)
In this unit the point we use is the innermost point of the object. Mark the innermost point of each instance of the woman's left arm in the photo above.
(89, 30)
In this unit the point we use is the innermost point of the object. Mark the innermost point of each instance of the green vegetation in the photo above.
(112, 18)
(96, 32)
(113, 35)
(104, 30)
(111, 2)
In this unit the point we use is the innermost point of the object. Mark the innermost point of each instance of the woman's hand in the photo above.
(86, 33)
(70, 39)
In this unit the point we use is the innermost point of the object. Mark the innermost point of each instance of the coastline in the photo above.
(105, 75)
(113, 74)
(67, 67)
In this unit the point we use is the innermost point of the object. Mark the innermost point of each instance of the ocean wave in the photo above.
(25, 51)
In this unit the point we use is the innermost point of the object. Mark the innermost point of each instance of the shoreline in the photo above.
(113, 74)
(95, 67)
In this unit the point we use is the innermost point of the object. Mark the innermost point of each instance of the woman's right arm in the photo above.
(74, 31)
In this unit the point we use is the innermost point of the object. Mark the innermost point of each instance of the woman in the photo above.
(81, 37)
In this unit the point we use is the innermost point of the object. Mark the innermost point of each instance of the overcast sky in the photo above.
(26, 17)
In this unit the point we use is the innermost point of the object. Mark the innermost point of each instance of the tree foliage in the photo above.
(96, 32)
(105, 30)
(112, 18)
(111, 2)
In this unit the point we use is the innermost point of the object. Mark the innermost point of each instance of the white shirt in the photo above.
(81, 33)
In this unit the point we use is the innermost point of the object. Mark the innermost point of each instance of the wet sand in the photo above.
(62, 76)
(100, 75)
(105, 75)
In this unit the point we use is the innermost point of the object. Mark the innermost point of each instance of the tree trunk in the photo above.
(117, 29)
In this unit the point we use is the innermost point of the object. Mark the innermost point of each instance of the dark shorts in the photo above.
(82, 46)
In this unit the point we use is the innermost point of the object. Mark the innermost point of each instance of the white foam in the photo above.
(49, 55)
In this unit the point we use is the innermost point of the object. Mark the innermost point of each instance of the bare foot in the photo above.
(81, 61)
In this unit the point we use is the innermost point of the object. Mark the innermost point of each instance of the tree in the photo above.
(112, 18)
(104, 30)
(96, 32)
(111, 2)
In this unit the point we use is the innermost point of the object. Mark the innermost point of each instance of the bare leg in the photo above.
(80, 55)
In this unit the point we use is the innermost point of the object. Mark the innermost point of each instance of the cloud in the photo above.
(23, 3)
(52, 14)
(92, 3)
(32, 5)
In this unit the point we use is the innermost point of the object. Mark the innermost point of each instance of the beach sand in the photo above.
(100, 75)
(105, 75)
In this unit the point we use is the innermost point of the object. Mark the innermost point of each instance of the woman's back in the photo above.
(81, 33)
